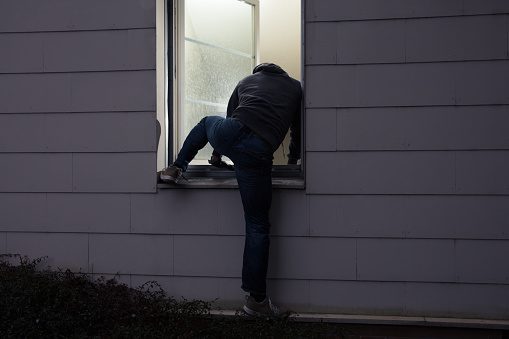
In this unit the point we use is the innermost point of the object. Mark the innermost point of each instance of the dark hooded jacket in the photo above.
(269, 103)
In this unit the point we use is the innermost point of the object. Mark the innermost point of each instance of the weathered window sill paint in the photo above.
(278, 183)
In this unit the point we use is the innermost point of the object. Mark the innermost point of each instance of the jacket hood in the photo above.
(269, 67)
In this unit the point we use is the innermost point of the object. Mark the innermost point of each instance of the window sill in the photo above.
(283, 177)
(278, 183)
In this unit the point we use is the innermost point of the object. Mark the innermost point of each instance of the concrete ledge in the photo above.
(389, 320)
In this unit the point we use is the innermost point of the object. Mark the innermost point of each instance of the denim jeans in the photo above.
(252, 157)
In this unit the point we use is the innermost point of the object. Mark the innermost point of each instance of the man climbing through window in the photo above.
(260, 111)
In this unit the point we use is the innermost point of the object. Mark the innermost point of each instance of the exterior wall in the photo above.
(406, 205)
(410, 163)
(77, 96)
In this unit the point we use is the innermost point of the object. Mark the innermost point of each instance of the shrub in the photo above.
(47, 303)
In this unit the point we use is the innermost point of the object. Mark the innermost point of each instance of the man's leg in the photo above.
(255, 185)
(197, 139)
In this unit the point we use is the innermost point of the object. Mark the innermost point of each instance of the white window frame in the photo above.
(165, 155)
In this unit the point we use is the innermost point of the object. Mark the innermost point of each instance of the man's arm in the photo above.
(233, 103)
(295, 138)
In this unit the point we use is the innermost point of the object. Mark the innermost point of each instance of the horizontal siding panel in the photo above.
(312, 258)
(114, 172)
(476, 301)
(380, 85)
(405, 85)
(337, 10)
(30, 172)
(131, 254)
(482, 83)
(330, 86)
(78, 51)
(114, 91)
(78, 92)
(67, 212)
(324, 121)
(482, 172)
(288, 213)
(63, 15)
(78, 132)
(21, 53)
(23, 133)
(64, 250)
(410, 299)
(101, 213)
(14, 216)
(101, 132)
(380, 173)
(291, 258)
(405, 260)
(474, 217)
(461, 38)
(173, 211)
(35, 93)
(356, 297)
(482, 261)
(424, 128)
(221, 212)
(208, 255)
(408, 40)
(464, 83)
(321, 43)
(372, 41)
(99, 50)
(485, 6)
(55, 212)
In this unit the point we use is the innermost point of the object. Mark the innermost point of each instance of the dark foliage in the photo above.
(39, 303)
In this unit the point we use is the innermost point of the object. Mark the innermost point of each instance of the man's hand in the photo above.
(215, 160)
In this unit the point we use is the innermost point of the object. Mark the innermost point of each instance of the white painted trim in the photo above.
(161, 81)
(388, 320)
(178, 71)
(256, 30)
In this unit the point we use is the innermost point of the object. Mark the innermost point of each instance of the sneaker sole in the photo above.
(251, 312)
(168, 178)
(254, 313)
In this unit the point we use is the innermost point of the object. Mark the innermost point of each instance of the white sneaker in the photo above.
(263, 308)
(171, 173)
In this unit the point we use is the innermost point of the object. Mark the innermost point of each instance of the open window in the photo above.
(209, 46)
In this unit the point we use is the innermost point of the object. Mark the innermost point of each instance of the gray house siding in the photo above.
(411, 159)
(77, 96)
(406, 206)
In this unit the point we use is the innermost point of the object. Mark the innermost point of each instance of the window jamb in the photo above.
(175, 13)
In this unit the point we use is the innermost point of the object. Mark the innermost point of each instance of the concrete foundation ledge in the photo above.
(390, 320)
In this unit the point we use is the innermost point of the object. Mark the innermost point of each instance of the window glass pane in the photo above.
(225, 23)
(216, 40)
(196, 111)
(212, 74)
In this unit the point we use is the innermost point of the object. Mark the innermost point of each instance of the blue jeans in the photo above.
(252, 157)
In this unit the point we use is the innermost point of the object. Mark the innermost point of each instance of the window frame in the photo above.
(294, 173)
